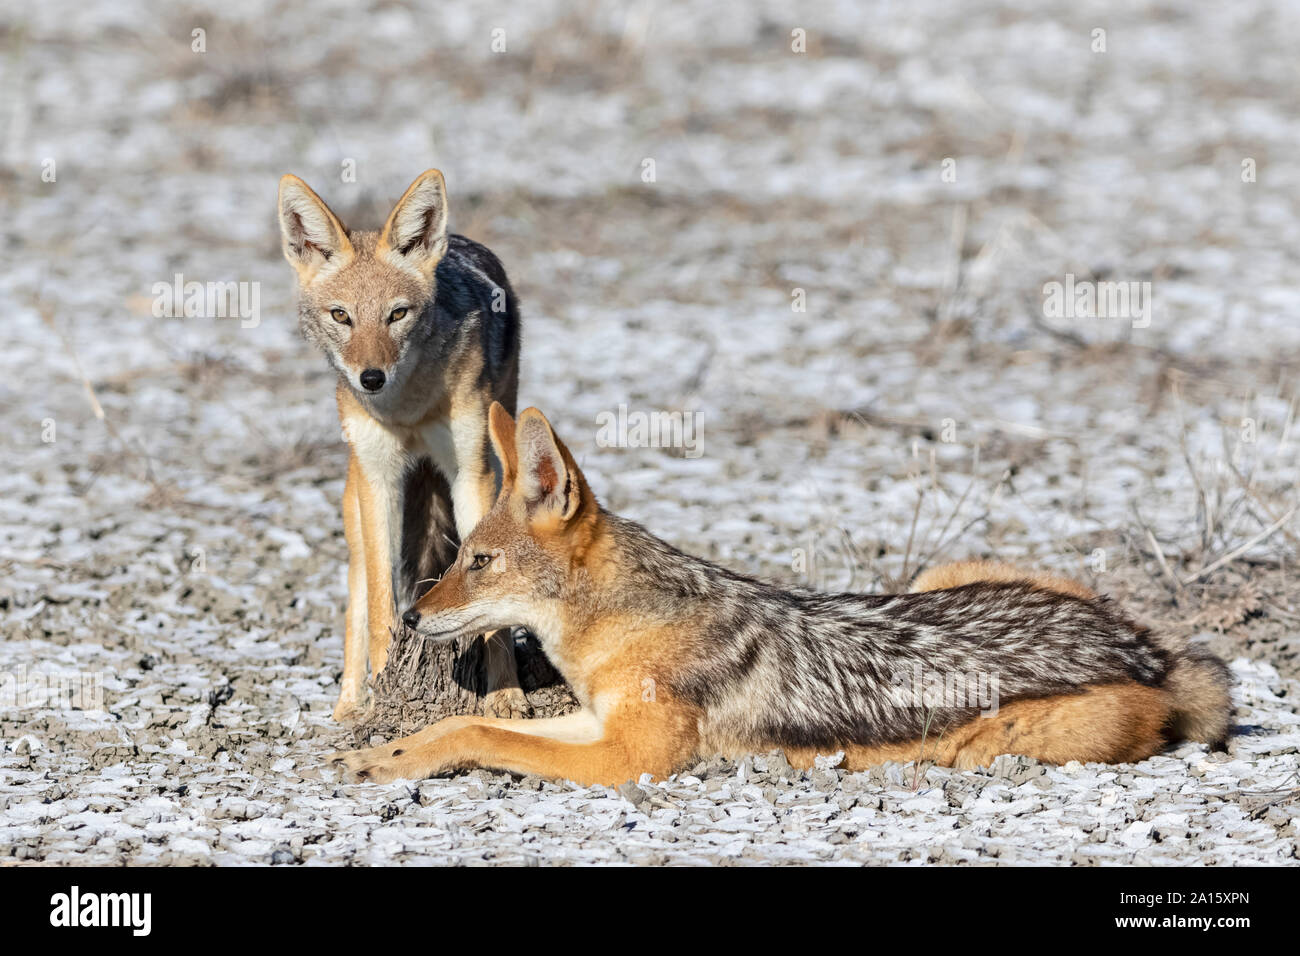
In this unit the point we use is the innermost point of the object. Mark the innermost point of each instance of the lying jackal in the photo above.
(674, 657)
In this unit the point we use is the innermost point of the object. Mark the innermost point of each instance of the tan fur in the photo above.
(439, 413)
(1111, 723)
(410, 215)
(1201, 708)
(370, 347)
(1204, 706)
(304, 215)
(546, 521)
(380, 610)
(967, 572)
(356, 637)
(501, 432)
(633, 740)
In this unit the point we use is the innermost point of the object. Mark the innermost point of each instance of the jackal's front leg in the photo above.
(356, 633)
(503, 696)
(376, 498)
(577, 747)
(372, 502)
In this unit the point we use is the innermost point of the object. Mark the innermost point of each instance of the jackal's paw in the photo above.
(377, 765)
(509, 702)
(348, 709)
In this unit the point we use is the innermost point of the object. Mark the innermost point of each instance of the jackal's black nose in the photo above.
(372, 380)
(411, 618)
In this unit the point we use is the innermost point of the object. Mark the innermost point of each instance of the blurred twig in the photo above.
(1239, 551)
(47, 316)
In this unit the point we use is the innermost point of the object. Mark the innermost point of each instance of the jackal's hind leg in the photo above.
(1101, 723)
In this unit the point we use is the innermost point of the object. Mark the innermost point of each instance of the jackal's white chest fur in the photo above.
(385, 453)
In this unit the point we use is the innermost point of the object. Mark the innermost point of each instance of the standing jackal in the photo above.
(674, 657)
(422, 329)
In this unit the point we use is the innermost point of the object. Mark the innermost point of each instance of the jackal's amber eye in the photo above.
(480, 562)
(340, 317)
(397, 316)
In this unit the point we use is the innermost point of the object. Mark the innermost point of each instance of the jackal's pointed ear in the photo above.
(309, 231)
(416, 231)
(501, 429)
(549, 480)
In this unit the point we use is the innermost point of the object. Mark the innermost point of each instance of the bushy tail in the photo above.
(1198, 685)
